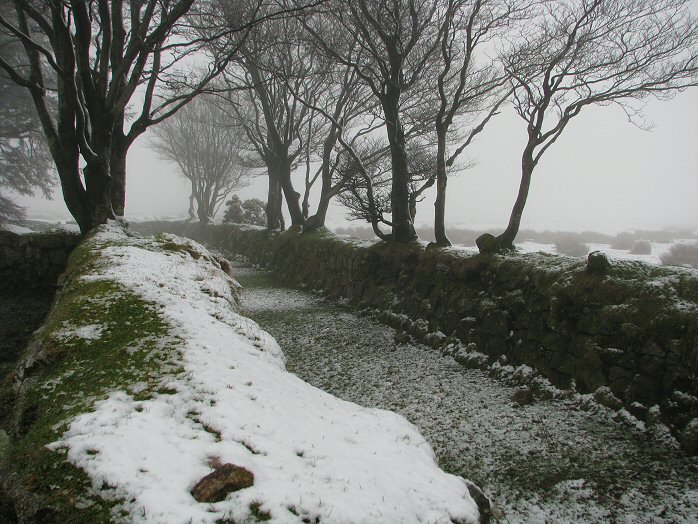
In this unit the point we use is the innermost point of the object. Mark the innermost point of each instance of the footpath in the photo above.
(540, 461)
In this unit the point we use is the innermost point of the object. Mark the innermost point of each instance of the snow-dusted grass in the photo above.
(554, 460)
(14, 228)
(210, 386)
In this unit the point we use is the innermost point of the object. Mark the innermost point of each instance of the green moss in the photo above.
(133, 346)
(180, 248)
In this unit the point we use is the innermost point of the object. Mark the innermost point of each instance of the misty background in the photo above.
(604, 174)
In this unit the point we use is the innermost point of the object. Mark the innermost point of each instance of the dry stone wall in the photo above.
(625, 331)
(34, 260)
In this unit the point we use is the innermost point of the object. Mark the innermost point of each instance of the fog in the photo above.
(603, 174)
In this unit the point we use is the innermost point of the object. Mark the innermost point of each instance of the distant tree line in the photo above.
(375, 101)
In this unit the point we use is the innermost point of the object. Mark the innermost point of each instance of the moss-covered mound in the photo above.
(99, 337)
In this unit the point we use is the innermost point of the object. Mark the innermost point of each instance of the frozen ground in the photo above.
(549, 461)
(654, 257)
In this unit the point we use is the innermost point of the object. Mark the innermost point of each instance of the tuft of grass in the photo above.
(179, 248)
(213, 431)
(258, 513)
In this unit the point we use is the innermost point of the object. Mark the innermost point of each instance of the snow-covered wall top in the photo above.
(625, 331)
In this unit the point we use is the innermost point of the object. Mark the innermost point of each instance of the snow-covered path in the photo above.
(548, 461)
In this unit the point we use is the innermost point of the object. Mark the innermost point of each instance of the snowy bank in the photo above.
(155, 381)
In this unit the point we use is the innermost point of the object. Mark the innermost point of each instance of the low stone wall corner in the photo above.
(34, 260)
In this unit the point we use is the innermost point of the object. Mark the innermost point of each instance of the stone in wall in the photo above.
(34, 260)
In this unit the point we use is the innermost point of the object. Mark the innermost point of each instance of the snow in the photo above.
(68, 227)
(88, 332)
(13, 228)
(529, 247)
(313, 456)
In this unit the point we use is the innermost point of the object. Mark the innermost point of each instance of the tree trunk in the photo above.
(98, 179)
(98, 186)
(403, 228)
(413, 207)
(117, 167)
(292, 196)
(282, 222)
(273, 208)
(118, 188)
(317, 221)
(527, 165)
(192, 209)
(63, 145)
(67, 165)
(203, 214)
(505, 241)
(305, 207)
(441, 179)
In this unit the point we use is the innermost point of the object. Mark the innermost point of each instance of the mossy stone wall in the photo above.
(34, 260)
(631, 328)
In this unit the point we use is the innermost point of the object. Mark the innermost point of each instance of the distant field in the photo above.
(654, 247)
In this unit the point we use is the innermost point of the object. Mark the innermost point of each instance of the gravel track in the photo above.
(549, 461)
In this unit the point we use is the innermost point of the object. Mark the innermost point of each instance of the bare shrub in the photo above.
(681, 255)
(641, 247)
(624, 241)
(571, 246)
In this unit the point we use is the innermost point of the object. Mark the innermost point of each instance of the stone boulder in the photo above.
(225, 479)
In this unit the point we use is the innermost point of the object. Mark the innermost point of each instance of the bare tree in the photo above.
(367, 183)
(470, 88)
(342, 105)
(202, 141)
(366, 193)
(99, 58)
(273, 62)
(25, 162)
(397, 40)
(346, 162)
(594, 52)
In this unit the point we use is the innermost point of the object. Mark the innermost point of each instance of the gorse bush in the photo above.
(250, 211)
(681, 255)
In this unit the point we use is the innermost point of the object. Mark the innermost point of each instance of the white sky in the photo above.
(603, 174)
